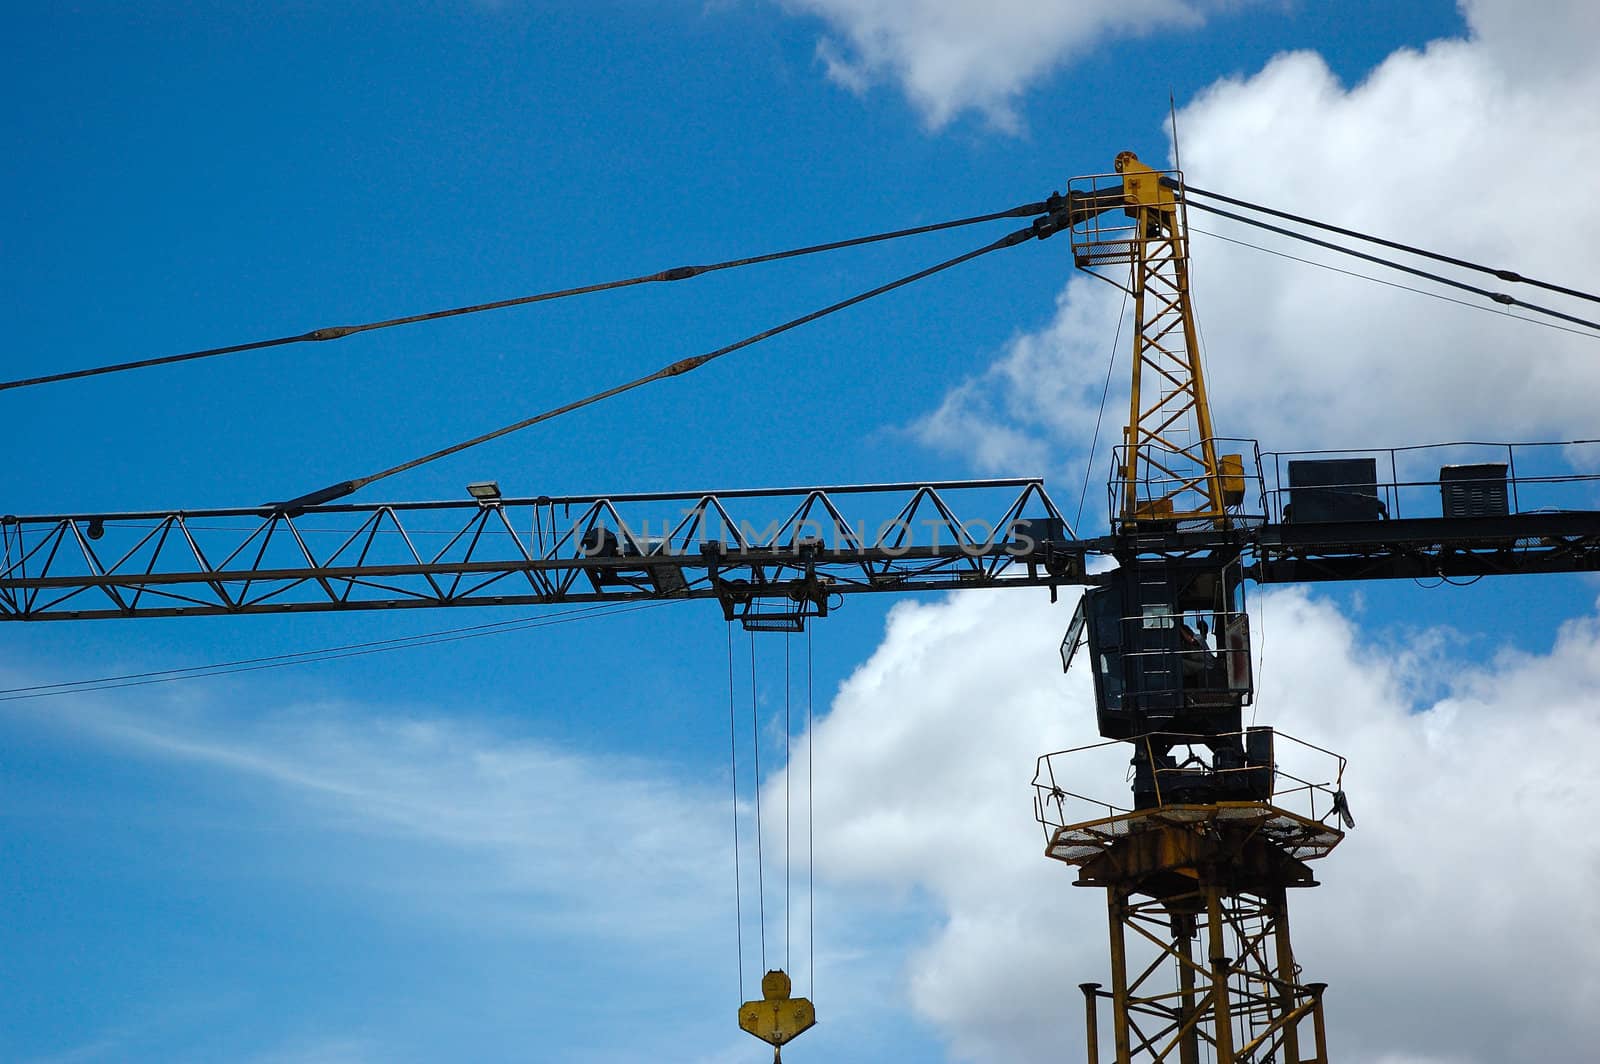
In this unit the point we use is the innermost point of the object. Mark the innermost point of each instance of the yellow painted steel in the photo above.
(1202, 891)
(777, 1018)
(1170, 470)
(1230, 467)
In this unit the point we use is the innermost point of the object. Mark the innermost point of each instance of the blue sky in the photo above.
(519, 847)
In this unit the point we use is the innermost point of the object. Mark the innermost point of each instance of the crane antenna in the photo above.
(682, 366)
(677, 273)
(1172, 111)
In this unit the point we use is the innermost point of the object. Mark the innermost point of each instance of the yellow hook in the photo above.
(777, 1018)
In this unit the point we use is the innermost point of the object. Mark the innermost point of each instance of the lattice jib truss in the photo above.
(768, 555)
(1169, 469)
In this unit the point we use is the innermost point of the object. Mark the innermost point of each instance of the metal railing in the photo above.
(1411, 481)
(1251, 509)
(1307, 779)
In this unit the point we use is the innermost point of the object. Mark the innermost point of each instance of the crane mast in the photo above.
(1196, 870)
(1168, 468)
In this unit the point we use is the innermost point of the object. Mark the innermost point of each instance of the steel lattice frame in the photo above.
(792, 548)
(1201, 958)
(1170, 466)
(1168, 457)
(1238, 994)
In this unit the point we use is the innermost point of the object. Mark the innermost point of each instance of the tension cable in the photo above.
(1394, 284)
(1498, 297)
(677, 273)
(1502, 274)
(682, 366)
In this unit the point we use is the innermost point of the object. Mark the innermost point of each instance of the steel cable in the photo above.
(677, 273)
(761, 860)
(682, 366)
(733, 765)
(1502, 274)
(1395, 284)
(1498, 297)
(811, 828)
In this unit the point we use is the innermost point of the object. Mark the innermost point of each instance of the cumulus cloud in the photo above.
(1468, 881)
(950, 56)
(1456, 924)
(922, 788)
(1469, 875)
(1464, 147)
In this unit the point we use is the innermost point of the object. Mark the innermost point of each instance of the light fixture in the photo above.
(97, 527)
(485, 491)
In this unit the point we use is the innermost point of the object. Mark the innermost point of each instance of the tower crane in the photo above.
(1196, 867)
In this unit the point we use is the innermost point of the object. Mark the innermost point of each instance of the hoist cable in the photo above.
(684, 365)
(1105, 391)
(1498, 297)
(1502, 274)
(788, 777)
(733, 765)
(811, 828)
(677, 273)
(761, 861)
(1395, 284)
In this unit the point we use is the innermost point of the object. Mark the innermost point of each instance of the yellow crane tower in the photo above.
(1196, 873)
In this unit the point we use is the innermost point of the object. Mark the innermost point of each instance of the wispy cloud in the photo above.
(540, 838)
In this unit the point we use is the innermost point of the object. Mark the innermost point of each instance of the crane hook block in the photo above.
(776, 1018)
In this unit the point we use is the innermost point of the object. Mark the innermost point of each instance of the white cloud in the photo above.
(922, 788)
(1041, 398)
(950, 56)
(1472, 147)
(538, 839)
(1457, 922)
(1434, 928)
(440, 822)
(1456, 925)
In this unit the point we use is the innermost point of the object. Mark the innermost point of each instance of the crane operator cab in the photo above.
(1169, 645)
